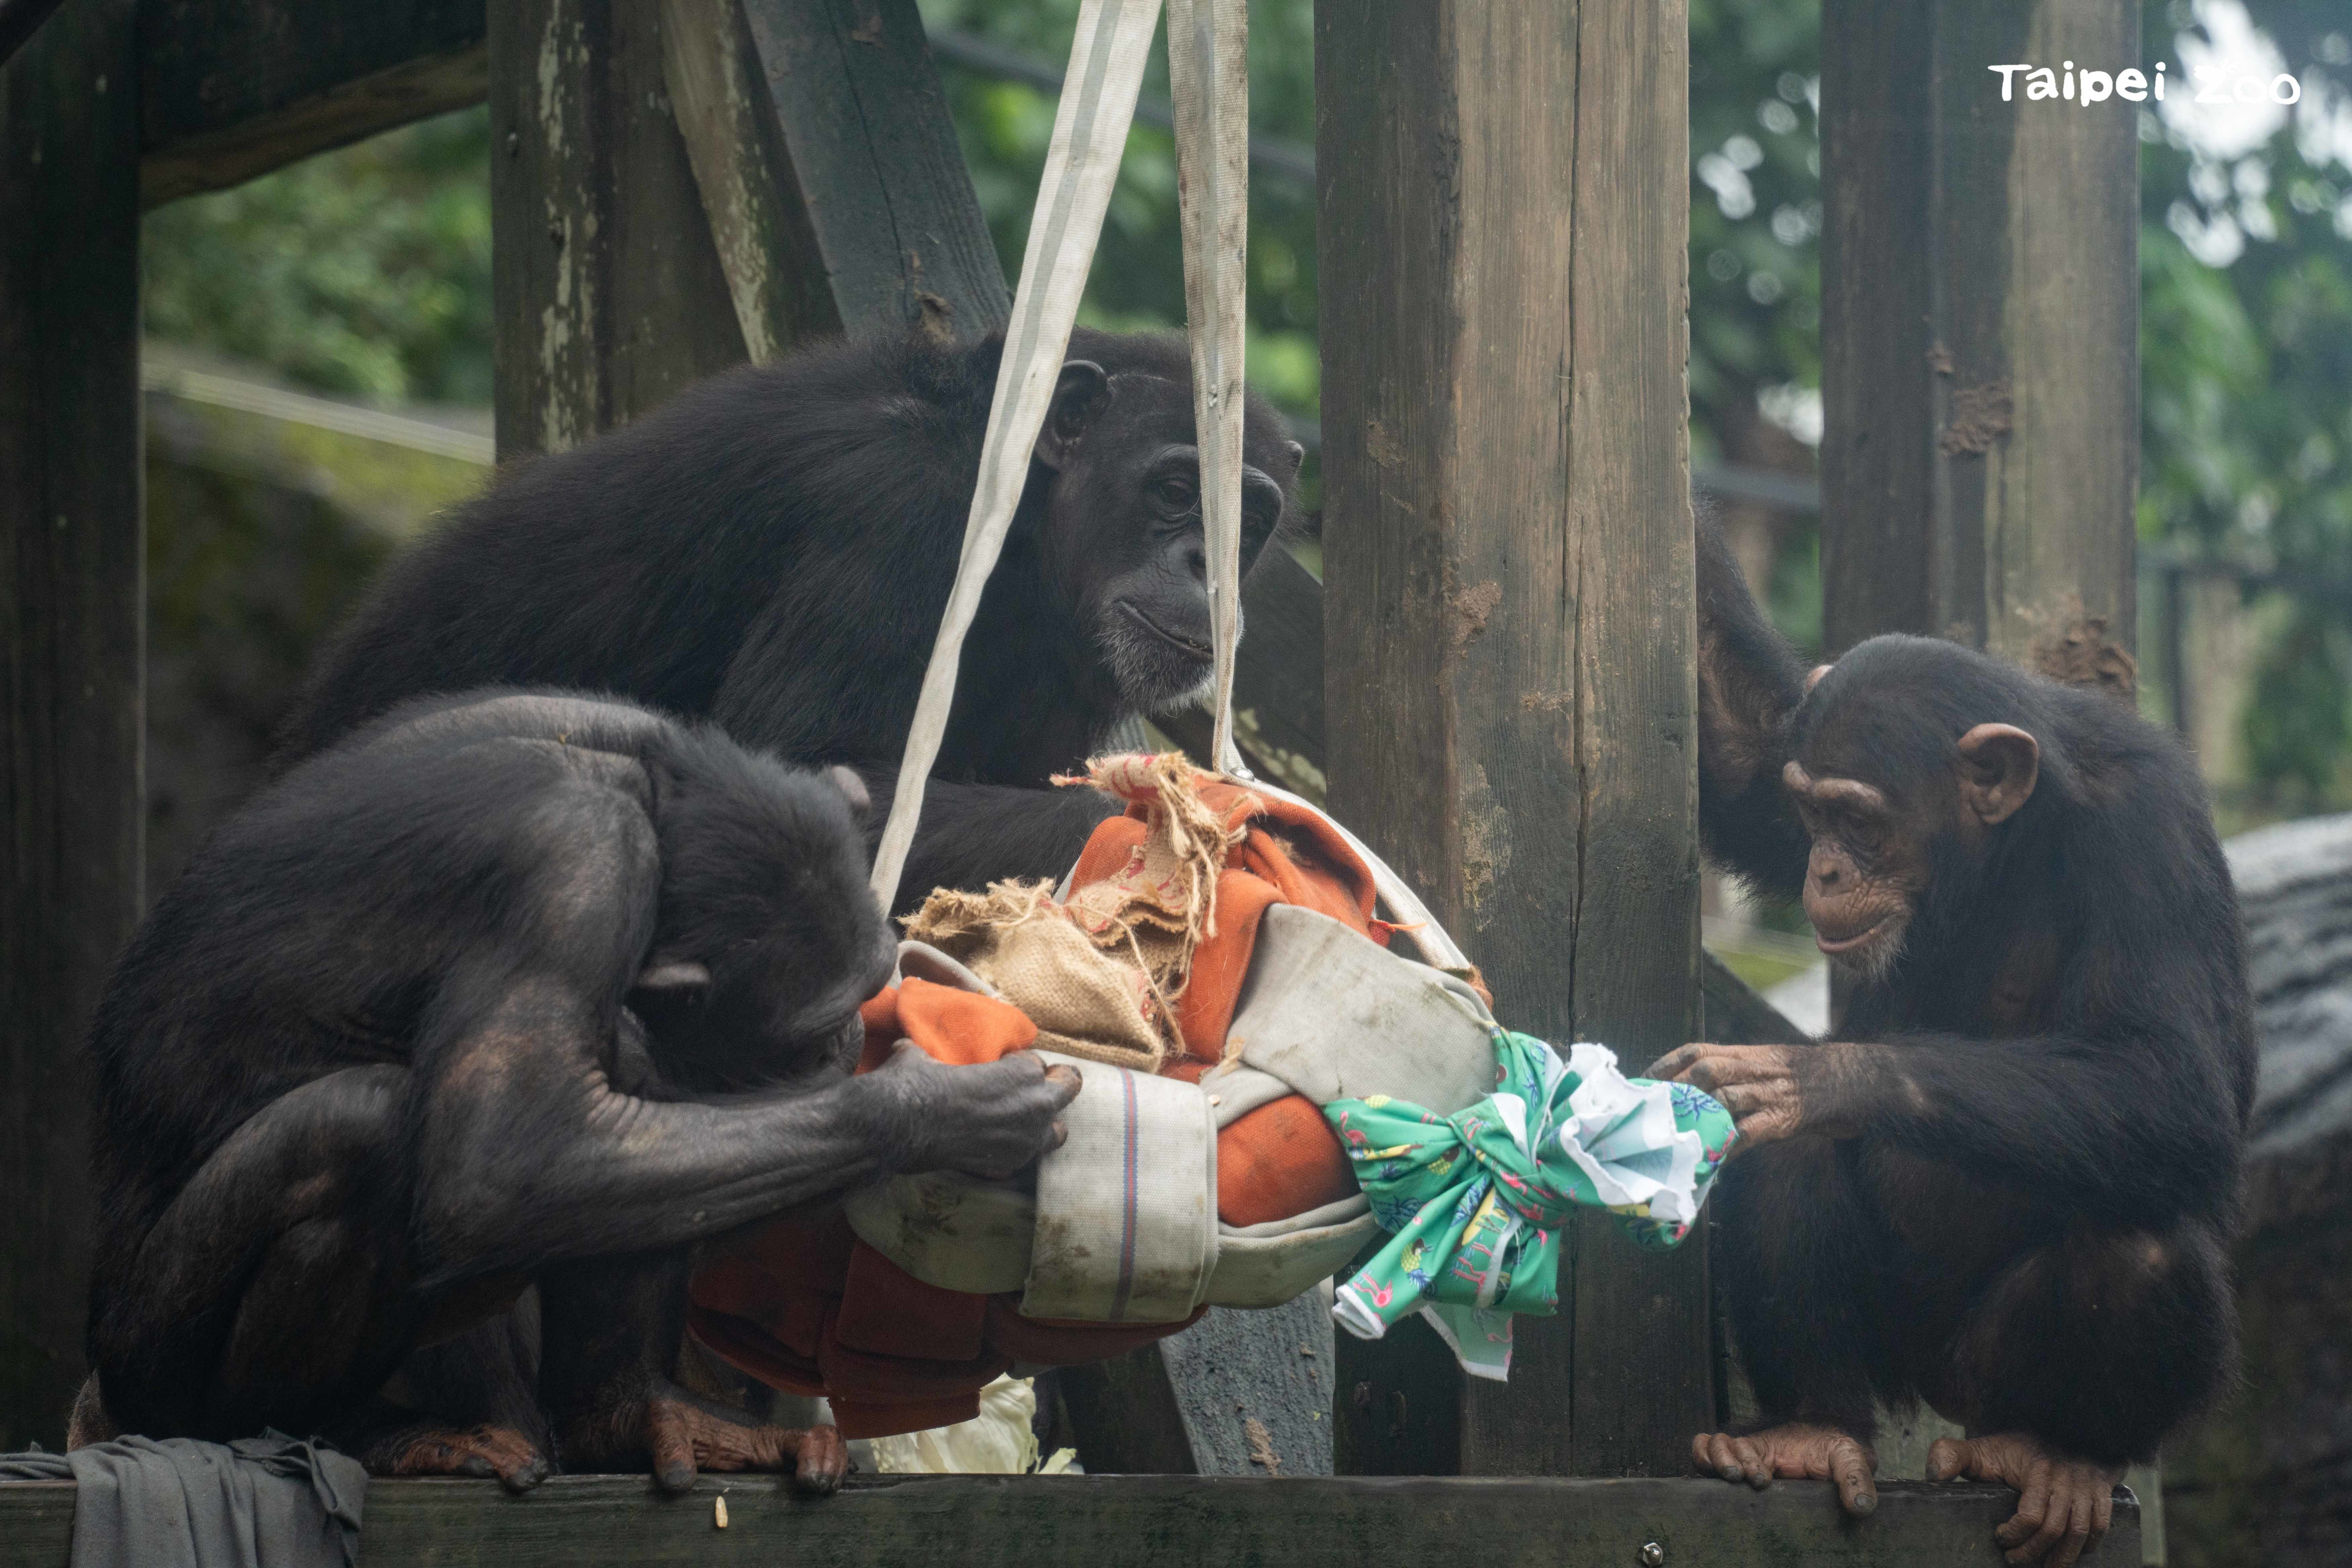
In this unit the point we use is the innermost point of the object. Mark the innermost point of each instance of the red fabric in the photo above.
(803, 1305)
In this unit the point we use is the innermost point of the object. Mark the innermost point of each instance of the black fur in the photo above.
(774, 547)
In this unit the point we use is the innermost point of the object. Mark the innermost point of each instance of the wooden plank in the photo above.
(1137, 1522)
(768, 250)
(608, 290)
(857, 108)
(72, 655)
(230, 90)
(1508, 569)
(1980, 336)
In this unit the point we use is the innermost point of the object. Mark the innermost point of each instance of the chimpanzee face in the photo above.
(769, 936)
(1867, 872)
(1125, 545)
(1876, 840)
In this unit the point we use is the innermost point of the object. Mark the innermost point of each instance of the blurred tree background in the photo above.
(365, 274)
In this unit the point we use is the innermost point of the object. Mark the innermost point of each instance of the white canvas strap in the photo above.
(1097, 105)
(1208, 74)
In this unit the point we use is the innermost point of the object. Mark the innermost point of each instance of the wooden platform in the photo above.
(1142, 1521)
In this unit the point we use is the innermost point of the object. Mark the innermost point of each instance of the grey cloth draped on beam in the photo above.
(272, 1502)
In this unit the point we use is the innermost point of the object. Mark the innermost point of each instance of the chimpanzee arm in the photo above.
(972, 835)
(2135, 1129)
(1749, 680)
(524, 1151)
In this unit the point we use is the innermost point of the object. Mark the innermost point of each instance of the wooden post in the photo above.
(1509, 579)
(609, 293)
(72, 650)
(1980, 332)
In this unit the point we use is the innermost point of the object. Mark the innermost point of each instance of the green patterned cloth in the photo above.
(1474, 1202)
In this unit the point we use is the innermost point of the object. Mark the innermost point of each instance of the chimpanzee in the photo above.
(503, 989)
(774, 548)
(2007, 1187)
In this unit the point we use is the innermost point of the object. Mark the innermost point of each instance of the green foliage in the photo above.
(365, 272)
(1756, 209)
(2246, 386)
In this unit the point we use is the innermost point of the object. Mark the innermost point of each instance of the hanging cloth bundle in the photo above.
(1309, 1012)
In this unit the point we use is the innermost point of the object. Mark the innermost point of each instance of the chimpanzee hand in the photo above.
(1767, 1088)
(988, 1120)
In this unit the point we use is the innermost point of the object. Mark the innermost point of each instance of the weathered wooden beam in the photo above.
(1508, 588)
(609, 294)
(858, 104)
(230, 90)
(1139, 1522)
(829, 165)
(72, 659)
(1980, 333)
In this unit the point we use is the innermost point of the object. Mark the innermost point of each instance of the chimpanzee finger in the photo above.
(1947, 1458)
(822, 1461)
(1065, 1082)
(1754, 1463)
(1673, 1062)
(2077, 1538)
(1060, 1135)
(2055, 1519)
(1712, 1453)
(2032, 1510)
(673, 1455)
(1850, 1468)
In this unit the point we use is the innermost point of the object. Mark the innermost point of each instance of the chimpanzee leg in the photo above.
(1803, 1252)
(2081, 1355)
(264, 1294)
(2099, 1344)
(464, 1405)
(611, 1329)
(273, 1290)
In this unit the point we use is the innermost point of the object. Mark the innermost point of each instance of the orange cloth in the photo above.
(803, 1305)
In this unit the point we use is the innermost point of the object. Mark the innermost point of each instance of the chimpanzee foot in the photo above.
(2063, 1506)
(683, 1434)
(1795, 1452)
(688, 1434)
(478, 1451)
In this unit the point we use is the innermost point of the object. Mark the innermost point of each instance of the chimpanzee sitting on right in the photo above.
(2007, 1187)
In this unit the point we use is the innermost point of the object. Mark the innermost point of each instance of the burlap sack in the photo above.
(1085, 1001)
(1100, 975)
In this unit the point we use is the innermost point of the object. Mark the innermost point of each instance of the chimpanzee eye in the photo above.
(1173, 491)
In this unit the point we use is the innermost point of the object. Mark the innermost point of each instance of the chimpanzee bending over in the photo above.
(2007, 1187)
(774, 548)
(414, 1031)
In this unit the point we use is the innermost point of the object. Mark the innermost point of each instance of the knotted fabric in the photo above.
(1475, 1202)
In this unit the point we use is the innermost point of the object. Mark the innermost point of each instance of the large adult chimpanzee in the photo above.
(774, 548)
(415, 1030)
(2007, 1187)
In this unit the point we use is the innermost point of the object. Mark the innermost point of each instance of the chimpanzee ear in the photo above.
(1078, 397)
(1297, 453)
(673, 974)
(1999, 765)
(852, 789)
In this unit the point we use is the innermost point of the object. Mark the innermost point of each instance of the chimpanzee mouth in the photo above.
(1200, 651)
(1861, 938)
